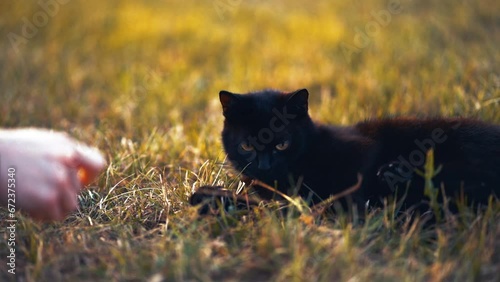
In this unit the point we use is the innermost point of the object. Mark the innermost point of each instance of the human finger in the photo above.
(65, 183)
(46, 207)
(87, 160)
(67, 194)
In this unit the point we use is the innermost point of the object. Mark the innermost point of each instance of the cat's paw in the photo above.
(214, 199)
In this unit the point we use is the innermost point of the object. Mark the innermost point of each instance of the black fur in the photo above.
(322, 160)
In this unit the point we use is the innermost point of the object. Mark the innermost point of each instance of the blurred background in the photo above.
(128, 68)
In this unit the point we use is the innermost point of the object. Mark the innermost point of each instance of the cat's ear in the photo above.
(298, 100)
(227, 100)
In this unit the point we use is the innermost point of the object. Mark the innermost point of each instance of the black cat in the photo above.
(269, 136)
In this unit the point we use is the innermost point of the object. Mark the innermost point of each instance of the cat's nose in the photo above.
(264, 162)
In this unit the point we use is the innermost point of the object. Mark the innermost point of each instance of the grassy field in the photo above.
(140, 80)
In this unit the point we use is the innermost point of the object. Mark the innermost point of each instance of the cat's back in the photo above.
(441, 129)
(454, 139)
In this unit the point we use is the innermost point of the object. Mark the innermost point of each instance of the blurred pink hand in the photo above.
(47, 166)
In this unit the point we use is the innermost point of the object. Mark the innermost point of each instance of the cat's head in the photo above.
(265, 132)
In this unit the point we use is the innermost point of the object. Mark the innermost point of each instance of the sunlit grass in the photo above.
(139, 80)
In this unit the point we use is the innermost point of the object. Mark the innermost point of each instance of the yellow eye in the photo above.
(283, 145)
(247, 147)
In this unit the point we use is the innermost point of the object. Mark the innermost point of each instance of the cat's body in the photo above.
(269, 136)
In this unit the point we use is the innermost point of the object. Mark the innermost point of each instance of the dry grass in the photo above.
(139, 79)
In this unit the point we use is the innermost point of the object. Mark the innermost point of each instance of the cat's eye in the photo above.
(246, 147)
(283, 145)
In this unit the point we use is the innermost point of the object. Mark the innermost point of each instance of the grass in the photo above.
(139, 80)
